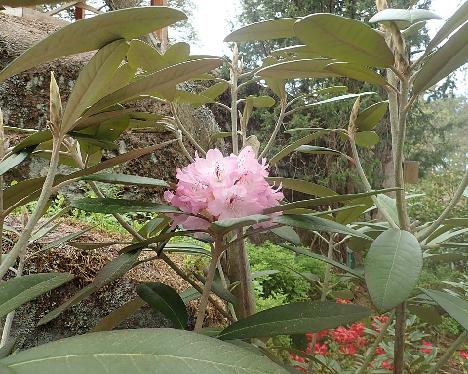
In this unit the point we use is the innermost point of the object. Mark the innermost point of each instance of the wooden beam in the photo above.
(161, 34)
(61, 8)
(79, 12)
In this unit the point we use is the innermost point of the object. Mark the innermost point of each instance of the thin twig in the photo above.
(279, 123)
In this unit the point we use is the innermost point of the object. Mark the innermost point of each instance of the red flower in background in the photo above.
(427, 350)
(378, 321)
(387, 365)
(379, 351)
(348, 349)
(463, 354)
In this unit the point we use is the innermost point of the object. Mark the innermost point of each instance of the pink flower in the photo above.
(218, 187)
(463, 354)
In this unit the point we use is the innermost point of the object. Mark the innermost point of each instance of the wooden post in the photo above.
(79, 12)
(161, 34)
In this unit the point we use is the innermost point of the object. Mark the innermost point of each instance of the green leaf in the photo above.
(293, 146)
(366, 139)
(345, 39)
(403, 17)
(446, 257)
(177, 52)
(111, 206)
(426, 313)
(302, 186)
(350, 215)
(66, 238)
(18, 291)
(229, 224)
(326, 200)
(457, 19)
(371, 116)
(339, 265)
(390, 206)
(95, 33)
(276, 85)
(262, 101)
(187, 249)
(109, 273)
(163, 298)
(93, 78)
(357, 72)
(392, 267)
(126, 179)
(145, 351)
(194, 99)
(143, 56)
(331, 90)
(306, 68)
(331, 100)
(294, 318)
(215, 90)
(33, 140)
(14, 160)
(313, 223)
(119, 315)
(162, 79)
(264, 30)
(457, 308)
(287, 233)
(448, 58)
(316, 150)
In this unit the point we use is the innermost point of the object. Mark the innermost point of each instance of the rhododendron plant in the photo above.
(218, 187)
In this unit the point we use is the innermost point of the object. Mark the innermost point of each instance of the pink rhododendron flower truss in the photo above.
(217, 187)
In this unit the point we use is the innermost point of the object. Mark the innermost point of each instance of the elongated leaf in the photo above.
(371, 116)
(331, 100)
(126, 179)
(144, 351)
(326, 200)
(294, 318)
(339, 265)
(110, 272)
(366, 139)
(26, 3)
(216, 90)
(457, 19)
(119, 315)
(186, 248)
(392, 267)
(14, 160)
(456, 307)
(64, 239)
(95, 33)
(313, 223)
(287, 233)
(94, 77)
(403, 17)
(143, 56)
(446, 257)
(163, 298)
(357, 72)
(426, 313)
(264, 30)
(305, 68)
(162, 79)
(33, 140)
(345, 39)
(229, 224)
(316, 150)
(110, 206)
(18, 291)
(448, 58)
(293, 146)
(302, 186)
